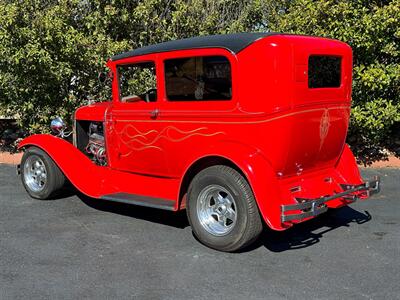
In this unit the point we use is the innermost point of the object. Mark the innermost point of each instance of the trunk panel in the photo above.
(318, 137)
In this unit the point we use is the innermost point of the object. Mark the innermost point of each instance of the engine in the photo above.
(95, 148)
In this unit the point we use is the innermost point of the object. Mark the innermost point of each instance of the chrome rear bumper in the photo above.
(314, 207)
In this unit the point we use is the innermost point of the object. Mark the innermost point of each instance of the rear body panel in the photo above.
(318, 136)
(317, 139)
(313, 132)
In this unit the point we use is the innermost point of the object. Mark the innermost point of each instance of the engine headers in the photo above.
(96, 144)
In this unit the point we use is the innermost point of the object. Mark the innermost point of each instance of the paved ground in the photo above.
(75, 248)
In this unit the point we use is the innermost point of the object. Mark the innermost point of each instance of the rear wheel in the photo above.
(222, 210)
(40, 176)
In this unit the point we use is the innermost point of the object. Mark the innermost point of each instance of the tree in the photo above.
(51, 51)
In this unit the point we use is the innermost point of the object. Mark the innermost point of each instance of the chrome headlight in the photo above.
(57, 126)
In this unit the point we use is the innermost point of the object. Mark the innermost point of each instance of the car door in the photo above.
(135, 143)
(197, 99)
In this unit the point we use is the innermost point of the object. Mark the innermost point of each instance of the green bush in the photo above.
(51, 51)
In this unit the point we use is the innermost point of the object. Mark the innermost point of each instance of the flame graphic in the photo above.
(136, 140)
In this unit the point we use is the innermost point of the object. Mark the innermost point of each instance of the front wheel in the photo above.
(222, 210)
(41, 177)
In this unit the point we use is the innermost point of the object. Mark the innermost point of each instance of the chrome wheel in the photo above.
(216, 210)
(35, 173)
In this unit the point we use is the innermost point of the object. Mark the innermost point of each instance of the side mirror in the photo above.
(104, 76)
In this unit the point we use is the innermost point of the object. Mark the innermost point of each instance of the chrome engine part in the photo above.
(96, 145)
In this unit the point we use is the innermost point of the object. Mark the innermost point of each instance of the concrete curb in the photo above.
(8, 158)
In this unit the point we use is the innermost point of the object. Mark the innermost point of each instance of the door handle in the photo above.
(154, 113)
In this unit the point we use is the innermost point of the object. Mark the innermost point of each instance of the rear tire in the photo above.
(41, 177)
(222, 210)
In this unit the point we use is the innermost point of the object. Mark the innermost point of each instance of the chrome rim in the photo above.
(35, 174)
(216, 210)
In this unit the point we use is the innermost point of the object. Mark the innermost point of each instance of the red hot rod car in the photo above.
(239, 130)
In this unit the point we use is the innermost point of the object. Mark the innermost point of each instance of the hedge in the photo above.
(51, 51)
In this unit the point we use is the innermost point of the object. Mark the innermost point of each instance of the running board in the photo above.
(140, 200)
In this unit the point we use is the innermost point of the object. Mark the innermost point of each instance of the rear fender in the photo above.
(80, 171)
(347, 168)
(259, 174)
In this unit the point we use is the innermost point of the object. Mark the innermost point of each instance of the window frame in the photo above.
(135, 63)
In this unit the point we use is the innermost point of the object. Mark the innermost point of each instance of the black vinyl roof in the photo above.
(233, 42)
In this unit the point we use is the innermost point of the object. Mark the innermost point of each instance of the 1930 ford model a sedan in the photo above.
(240, 130)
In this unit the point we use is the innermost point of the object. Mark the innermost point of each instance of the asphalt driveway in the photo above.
(75, 247)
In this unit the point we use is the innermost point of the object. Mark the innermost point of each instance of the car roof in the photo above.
(234, 42)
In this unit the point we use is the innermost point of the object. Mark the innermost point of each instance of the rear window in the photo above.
(324, 71)
(200, 78)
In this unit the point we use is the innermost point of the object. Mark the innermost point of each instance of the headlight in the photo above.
(58, 126)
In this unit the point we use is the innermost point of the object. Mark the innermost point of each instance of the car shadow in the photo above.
(299, 236)
(164, 217)
(66, 192)
(310, 232)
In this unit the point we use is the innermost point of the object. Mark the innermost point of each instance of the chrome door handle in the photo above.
(154, 113)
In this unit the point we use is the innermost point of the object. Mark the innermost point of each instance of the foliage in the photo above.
(51, 51)
(136, 80)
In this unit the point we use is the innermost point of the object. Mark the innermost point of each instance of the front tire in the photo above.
(41, 177)
(222, 210)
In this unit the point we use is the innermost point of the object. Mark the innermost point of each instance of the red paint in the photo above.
(276, 130)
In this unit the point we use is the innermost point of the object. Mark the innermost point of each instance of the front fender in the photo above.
(80, 171)
(259, 174)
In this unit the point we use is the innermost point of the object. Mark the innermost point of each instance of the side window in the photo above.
(324, 71)
(198, 78)
(137, 82)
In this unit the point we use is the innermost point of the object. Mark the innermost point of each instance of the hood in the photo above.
(92, 112)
